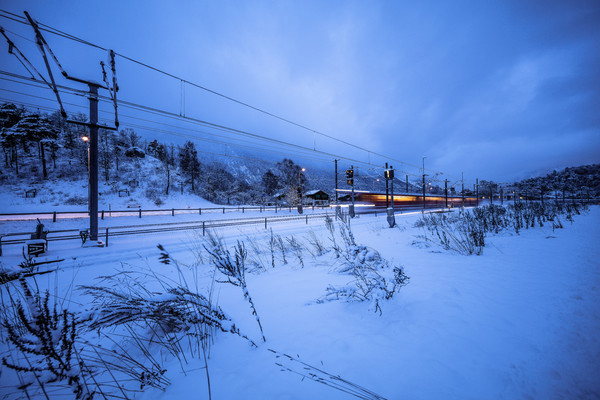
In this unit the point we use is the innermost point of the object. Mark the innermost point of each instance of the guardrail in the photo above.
(125, 230)
(107, 232)
(172, 211)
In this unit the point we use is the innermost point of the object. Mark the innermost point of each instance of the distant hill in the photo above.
(579, 181)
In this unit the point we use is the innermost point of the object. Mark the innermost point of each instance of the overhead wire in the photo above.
(63, 34)
(51, 109)
(195, 121)
(172, 133)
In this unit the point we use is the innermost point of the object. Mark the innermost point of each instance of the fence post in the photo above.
(140, 210)
(265, 222)
(242, 210)
(203, 228)
(102, 214)
(306, 219)
(200, 211)
(54, 217)
(172, 212)
(223, 210)
(106, 239)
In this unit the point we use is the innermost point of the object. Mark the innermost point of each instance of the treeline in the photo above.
(38, 147)
(580, 182)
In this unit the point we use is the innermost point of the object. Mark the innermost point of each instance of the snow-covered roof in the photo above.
(314, 191)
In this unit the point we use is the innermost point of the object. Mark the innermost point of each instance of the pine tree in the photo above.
(10, 115)
(34, 128)
(188, 161)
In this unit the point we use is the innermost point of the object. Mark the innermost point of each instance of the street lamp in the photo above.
(86, 139)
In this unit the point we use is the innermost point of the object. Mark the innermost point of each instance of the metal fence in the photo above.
(106, 233)
(170, 211)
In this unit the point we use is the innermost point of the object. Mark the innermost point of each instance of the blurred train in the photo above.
(409, 200)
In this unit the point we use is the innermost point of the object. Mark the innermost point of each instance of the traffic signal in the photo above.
(299, 191)
(389, 174)
(350, 182)
(349, 173)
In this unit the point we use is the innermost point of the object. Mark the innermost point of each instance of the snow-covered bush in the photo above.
(76, 200)
(154, 194)
(462, 232)
(45, 341)
(465, 231)
(49, 353)
(374, 278)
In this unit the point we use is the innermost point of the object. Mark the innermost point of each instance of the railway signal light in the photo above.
(349, 173)
(299, 191)
(389, 174)
(350, 182)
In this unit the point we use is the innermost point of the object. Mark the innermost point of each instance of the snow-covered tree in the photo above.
(164, 154)
(39, 130)
(270, 182)
(188, 161)
(10, 115)
(290, 174)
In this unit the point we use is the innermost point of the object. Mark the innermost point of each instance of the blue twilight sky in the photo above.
(497, 89)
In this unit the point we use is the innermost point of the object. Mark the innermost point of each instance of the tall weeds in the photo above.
(233, 267)
(466, 231)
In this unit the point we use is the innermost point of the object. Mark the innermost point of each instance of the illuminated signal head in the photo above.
(350, 181)
(389, 174)
(349, 173)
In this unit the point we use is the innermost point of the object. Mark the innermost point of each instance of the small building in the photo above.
(280, 198)
(317, 196)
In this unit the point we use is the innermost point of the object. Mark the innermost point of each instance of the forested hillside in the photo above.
(41, 150)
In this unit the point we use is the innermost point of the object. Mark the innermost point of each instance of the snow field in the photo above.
(519, 321)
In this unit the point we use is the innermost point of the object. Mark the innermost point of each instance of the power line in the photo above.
(58, 32)
(302, 150)
(195, 121)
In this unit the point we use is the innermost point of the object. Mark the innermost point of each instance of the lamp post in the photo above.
(374, 183)
(86, 139)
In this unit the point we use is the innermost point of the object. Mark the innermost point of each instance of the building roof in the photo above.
(315, 191)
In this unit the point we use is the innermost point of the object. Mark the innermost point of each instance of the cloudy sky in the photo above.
(497, 89)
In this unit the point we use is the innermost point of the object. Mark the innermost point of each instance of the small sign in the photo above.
(36, 247)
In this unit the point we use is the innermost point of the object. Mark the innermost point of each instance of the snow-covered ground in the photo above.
(518, 322)
(67, 196)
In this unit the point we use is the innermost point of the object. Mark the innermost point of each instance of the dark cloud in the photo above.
(493, 88)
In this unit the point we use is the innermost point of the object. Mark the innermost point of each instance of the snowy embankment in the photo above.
(518, 321)
(72, 196)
